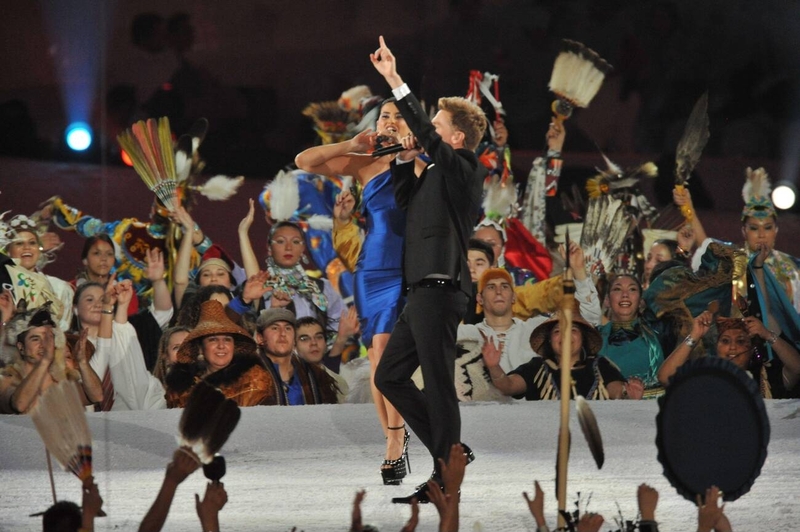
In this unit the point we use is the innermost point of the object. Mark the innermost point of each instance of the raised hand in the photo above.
(536, 505)
(590, 522)
(555, 136)
(247, 221)
(363, 142)
(384, 62)
(344, 206)
(348, 323)
(708, 511)
(356, 524)
(92, 501)
(155, 265)
(280, 299)
(181, 216)
(647, 498)
(686, 237)
(255, 287)
(50, 241)
(124, 291)
(701, 324)
(453, 471)
(411, 525)
(491, 353)
(6, 306)
(213, 501)
(184, 463)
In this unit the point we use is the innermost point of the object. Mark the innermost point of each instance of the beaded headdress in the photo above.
(756, 193)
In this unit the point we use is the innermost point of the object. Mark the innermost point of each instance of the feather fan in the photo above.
(577, 76)
(690, 147)
(60, 419)
(207, 421)
(606, 226)
(149, 145)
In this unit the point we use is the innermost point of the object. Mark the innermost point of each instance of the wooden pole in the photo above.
(565, 365)
(50, 471)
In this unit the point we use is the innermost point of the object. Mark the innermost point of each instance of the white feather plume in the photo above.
(499, 199)
(220, 187)
(757, 185)
(321, 222)
(284, 193)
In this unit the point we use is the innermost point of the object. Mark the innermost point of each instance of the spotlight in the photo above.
(784, 196)
(79, 136)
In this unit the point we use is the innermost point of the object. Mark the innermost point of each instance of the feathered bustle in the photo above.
(606, 226)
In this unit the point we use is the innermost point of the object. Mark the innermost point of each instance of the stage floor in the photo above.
(301, 466)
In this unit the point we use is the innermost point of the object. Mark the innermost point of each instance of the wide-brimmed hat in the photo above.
(213, 321)
(592, 338)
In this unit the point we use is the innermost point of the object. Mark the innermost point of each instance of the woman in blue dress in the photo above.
(377, 260)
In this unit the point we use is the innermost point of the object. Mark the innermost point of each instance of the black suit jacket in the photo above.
(441, 205)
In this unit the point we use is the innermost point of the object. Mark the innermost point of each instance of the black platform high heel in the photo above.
(393, 471)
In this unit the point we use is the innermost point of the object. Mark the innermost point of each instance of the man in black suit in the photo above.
(441, 208)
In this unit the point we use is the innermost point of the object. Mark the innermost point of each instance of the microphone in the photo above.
(394, 148)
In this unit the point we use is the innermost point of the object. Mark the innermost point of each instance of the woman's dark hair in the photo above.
(92, 240)
(483, 247)
(550, 354)
(189, 314)
(671, 245)
(162, 362)
(293, 225)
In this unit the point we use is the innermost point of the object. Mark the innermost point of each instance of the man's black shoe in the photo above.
(420, 493)
(469, 453)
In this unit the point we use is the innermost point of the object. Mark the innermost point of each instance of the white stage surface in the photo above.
(301, 466)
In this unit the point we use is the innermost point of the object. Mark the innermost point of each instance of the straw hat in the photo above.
(592, 338)
(213, 321)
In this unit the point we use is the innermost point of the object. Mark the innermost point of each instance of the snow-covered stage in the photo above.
(301, 466)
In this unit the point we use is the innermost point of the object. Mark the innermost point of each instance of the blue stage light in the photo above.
(79, 136)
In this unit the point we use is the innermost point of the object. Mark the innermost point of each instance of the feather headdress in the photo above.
(606, 226)
(624, 184)
(756, 193)
(578, 74)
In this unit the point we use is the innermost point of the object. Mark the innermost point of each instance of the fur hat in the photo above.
(213, 321)
(541, 334)
(24, 320)
(271, 315)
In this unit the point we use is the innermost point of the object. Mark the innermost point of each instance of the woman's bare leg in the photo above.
(392, 418)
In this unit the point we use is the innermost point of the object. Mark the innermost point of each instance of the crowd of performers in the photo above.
(160, 305)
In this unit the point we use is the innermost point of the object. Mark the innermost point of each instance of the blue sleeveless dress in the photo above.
(378, 279)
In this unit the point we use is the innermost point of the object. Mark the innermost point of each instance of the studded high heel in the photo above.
(393, 471)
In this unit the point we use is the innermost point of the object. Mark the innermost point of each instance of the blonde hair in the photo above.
(467, 118)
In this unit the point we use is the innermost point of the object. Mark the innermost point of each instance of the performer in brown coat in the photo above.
(223, 354)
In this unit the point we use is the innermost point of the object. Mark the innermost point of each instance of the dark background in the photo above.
(250, 68)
